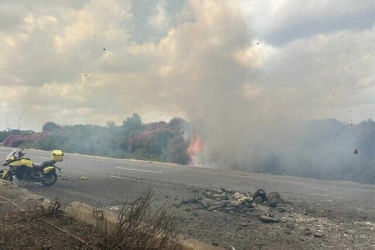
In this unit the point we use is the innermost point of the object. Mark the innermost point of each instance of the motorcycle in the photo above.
(24, 170)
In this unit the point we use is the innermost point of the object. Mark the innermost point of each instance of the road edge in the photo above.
(13, 197)
(106, 220)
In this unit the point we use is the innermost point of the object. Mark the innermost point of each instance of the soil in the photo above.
(293, 224)
(25, 230)
(296, 230)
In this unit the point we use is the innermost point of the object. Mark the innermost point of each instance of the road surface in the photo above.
(116, 181)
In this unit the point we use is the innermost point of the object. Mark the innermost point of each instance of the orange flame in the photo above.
(194, 150)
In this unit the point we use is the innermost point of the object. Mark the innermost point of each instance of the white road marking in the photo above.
(131, 162)
(131, 179)
(204, 170)
(117, 159)
(133, 169)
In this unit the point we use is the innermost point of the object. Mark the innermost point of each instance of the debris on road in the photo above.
(226, 200)
(114, 208)
(215, 243)
(230, 201)
(274, 199)
(318, 235)
(63, 178)
(268, 219)
(307, 232)
(83, 178)
(242, 219)
(261, 194)
(243, 205)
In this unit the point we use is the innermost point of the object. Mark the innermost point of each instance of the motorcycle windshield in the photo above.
(12, 153)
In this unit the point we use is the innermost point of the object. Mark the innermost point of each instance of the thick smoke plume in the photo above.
(245, 118)
(250, 96)
(226, 105)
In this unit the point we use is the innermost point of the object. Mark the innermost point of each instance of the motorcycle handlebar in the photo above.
(20, 153)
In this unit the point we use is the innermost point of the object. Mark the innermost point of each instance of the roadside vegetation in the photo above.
(158, 141)
(139, 228)
(321, 149)
(48, 227)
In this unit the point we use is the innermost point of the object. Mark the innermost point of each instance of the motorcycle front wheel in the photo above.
(49, 179)
(7, 178)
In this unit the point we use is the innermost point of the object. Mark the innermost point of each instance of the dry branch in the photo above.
(138, 228)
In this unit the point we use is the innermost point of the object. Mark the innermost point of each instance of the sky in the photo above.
(251, 62)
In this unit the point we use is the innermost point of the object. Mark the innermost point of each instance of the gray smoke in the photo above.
(249, 94)
(247, 117)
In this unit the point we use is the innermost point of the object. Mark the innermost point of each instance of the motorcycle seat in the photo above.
(37, 165)
(48, 163)
(44, 164)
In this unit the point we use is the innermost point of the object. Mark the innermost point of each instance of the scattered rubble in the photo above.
(267, 219)
(318, 235)
(274, 199)
(264, 220)
(307, 232)
(114, 208)
(215, 243)
(230, 201)
(261, 194)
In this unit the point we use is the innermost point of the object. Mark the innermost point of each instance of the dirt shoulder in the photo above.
(296, 225)
(30, 230)
(32, 222)
(51, 228)
(229, 219)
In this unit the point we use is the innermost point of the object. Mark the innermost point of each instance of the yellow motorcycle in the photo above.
(25, 170)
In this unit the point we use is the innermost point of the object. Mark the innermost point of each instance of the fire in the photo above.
(195, 149)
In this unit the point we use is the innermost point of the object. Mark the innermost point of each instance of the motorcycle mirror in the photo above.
(20, 153)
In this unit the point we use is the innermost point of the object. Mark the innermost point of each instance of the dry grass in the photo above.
(138, 228)
(42, 227)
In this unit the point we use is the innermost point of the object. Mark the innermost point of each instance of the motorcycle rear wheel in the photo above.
(49, 179)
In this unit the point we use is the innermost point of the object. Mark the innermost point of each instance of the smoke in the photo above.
(247, 89)
(246, 116)
(232, 113)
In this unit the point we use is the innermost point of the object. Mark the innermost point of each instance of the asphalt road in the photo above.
(115, 181)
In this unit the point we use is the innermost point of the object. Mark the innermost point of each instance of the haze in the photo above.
(245, 71)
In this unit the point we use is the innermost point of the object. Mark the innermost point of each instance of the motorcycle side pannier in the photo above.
(57, 155)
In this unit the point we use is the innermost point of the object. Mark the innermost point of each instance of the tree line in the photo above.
(322, 149)
(157, 141)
